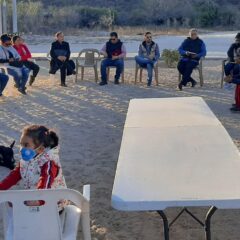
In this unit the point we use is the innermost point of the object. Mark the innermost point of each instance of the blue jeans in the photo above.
(3, 82)
(118, 63)
(20, 79)
(186, 68)
(146, 63)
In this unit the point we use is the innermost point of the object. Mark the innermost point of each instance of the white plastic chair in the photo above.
(44, 222)
(91, 58)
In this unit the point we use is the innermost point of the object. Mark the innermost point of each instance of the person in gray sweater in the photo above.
(10, 58)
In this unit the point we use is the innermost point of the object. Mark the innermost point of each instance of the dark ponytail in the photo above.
(41, 135)
(52, 139)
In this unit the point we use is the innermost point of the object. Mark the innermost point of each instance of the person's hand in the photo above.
(115, 57)
(61, 58)
(188, 53)
(64, 58)
(11, 59)
(228, 79)
(194, 55)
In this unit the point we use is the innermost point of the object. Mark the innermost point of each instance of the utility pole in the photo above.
(4, 17)
(1, 19)
(14, 13)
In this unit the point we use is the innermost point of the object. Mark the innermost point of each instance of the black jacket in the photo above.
(60, 49)
(233, 51)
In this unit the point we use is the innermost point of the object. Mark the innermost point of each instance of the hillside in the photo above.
(44, 15)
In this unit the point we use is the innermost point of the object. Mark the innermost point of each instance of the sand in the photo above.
(90, 120)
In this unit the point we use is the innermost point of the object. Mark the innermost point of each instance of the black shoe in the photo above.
(235, 109)
(234, 105)
(194, 83)
(180, 86)
(63, 85)
(103, 83)
(116, 81)
(22, 91)
(32, 79)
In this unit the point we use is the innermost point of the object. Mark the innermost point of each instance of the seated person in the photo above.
(234, 77)
(26, 56)
(11, 59)
(148, 55)
(232, 53)
(3, 82)
(191, 51)
(39, 167)
(60, 54)
(114, 51)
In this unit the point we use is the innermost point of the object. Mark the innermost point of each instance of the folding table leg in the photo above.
(210, 213)
(165, 225)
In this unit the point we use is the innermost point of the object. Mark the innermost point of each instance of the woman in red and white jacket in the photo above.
(39, 167)
(26, 56)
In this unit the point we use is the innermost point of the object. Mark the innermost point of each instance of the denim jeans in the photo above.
(118, 63)
(186, 68)
(20, 76)
(146, 63)
(3, 82)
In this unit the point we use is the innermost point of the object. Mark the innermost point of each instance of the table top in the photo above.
(175, 152)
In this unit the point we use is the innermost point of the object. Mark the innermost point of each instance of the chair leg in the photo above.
(201, 77)
(76, 76)
(141, 70)
(96, 73)
(85, 224)
(156, 75)
(82, 73)
(222, 79)
(108, 73)
(136, 73)
(123, 76)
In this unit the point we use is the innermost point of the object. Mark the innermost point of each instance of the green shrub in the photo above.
(170, 57)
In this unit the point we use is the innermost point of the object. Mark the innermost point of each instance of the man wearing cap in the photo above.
(192, 50)
(11, 59)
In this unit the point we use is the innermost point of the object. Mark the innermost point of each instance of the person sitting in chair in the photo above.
(191, 51)
(60, 54)
(148, 55)
(11, 59)
(233, 53)
(114, 51)
(26, 56)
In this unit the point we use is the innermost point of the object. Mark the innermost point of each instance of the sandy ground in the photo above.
(90, 120)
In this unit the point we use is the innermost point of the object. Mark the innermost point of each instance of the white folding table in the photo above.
(176, 153)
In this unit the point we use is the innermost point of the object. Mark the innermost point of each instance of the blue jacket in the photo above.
(190, 45)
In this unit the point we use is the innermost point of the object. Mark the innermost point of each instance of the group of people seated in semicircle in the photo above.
(16, 58)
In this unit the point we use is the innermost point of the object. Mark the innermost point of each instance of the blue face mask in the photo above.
(27, 154)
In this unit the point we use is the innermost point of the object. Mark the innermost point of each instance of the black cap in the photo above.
(238, 36)
(5, 38)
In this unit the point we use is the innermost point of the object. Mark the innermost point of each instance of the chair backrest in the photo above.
(40, 222)
(90, 56)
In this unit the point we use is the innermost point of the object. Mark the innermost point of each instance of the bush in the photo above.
(170, 57)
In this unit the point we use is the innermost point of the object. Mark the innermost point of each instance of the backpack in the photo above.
(7, 156)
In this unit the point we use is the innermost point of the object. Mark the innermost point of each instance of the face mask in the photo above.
(28, 154)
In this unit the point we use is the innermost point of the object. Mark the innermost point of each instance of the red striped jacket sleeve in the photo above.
(49, 172)
(12, 179)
